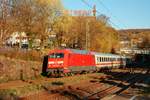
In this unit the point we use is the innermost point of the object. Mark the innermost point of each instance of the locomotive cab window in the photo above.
(59, 55)
(52, 55)
(56, 55)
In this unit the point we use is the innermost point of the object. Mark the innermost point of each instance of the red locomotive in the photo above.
(72, 61)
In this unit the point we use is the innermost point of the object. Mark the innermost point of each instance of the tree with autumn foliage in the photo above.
(102, 37)
(6, 27)
(35, 17)
(145, 44)
(61, 29)
(40, 18)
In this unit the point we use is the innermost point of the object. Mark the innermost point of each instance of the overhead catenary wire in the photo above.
(109, 11)
(98, 12)
(86, 3)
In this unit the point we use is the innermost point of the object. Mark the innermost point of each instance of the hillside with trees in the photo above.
(141, 35)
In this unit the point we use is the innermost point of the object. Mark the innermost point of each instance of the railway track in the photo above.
(115, 89)
(98, 90)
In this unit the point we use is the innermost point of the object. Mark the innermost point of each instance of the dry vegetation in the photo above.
(13, 69)
(26, 55)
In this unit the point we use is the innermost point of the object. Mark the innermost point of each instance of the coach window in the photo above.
(111, 59)
(117, 59)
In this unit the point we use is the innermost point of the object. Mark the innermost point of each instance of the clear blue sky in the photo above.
(124, 13)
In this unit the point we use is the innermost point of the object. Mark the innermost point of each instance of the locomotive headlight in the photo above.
(51, 62)
(60, 62)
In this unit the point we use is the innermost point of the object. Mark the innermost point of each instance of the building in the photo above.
(19, 39)
(131, 40)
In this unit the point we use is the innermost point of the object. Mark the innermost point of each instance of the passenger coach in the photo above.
(109, 60)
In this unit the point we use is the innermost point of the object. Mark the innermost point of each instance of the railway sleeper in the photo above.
(78, 94)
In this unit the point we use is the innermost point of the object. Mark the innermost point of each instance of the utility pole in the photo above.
(87, 46)
(94, 10)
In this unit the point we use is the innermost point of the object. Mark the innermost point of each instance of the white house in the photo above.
(16, 38)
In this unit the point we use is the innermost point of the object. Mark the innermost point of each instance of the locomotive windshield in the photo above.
(56, 55)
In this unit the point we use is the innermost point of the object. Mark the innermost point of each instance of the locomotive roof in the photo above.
(79, 51)
(93, 53)
(72, 51)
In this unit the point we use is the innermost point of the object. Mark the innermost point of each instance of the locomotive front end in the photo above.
(56, 62)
